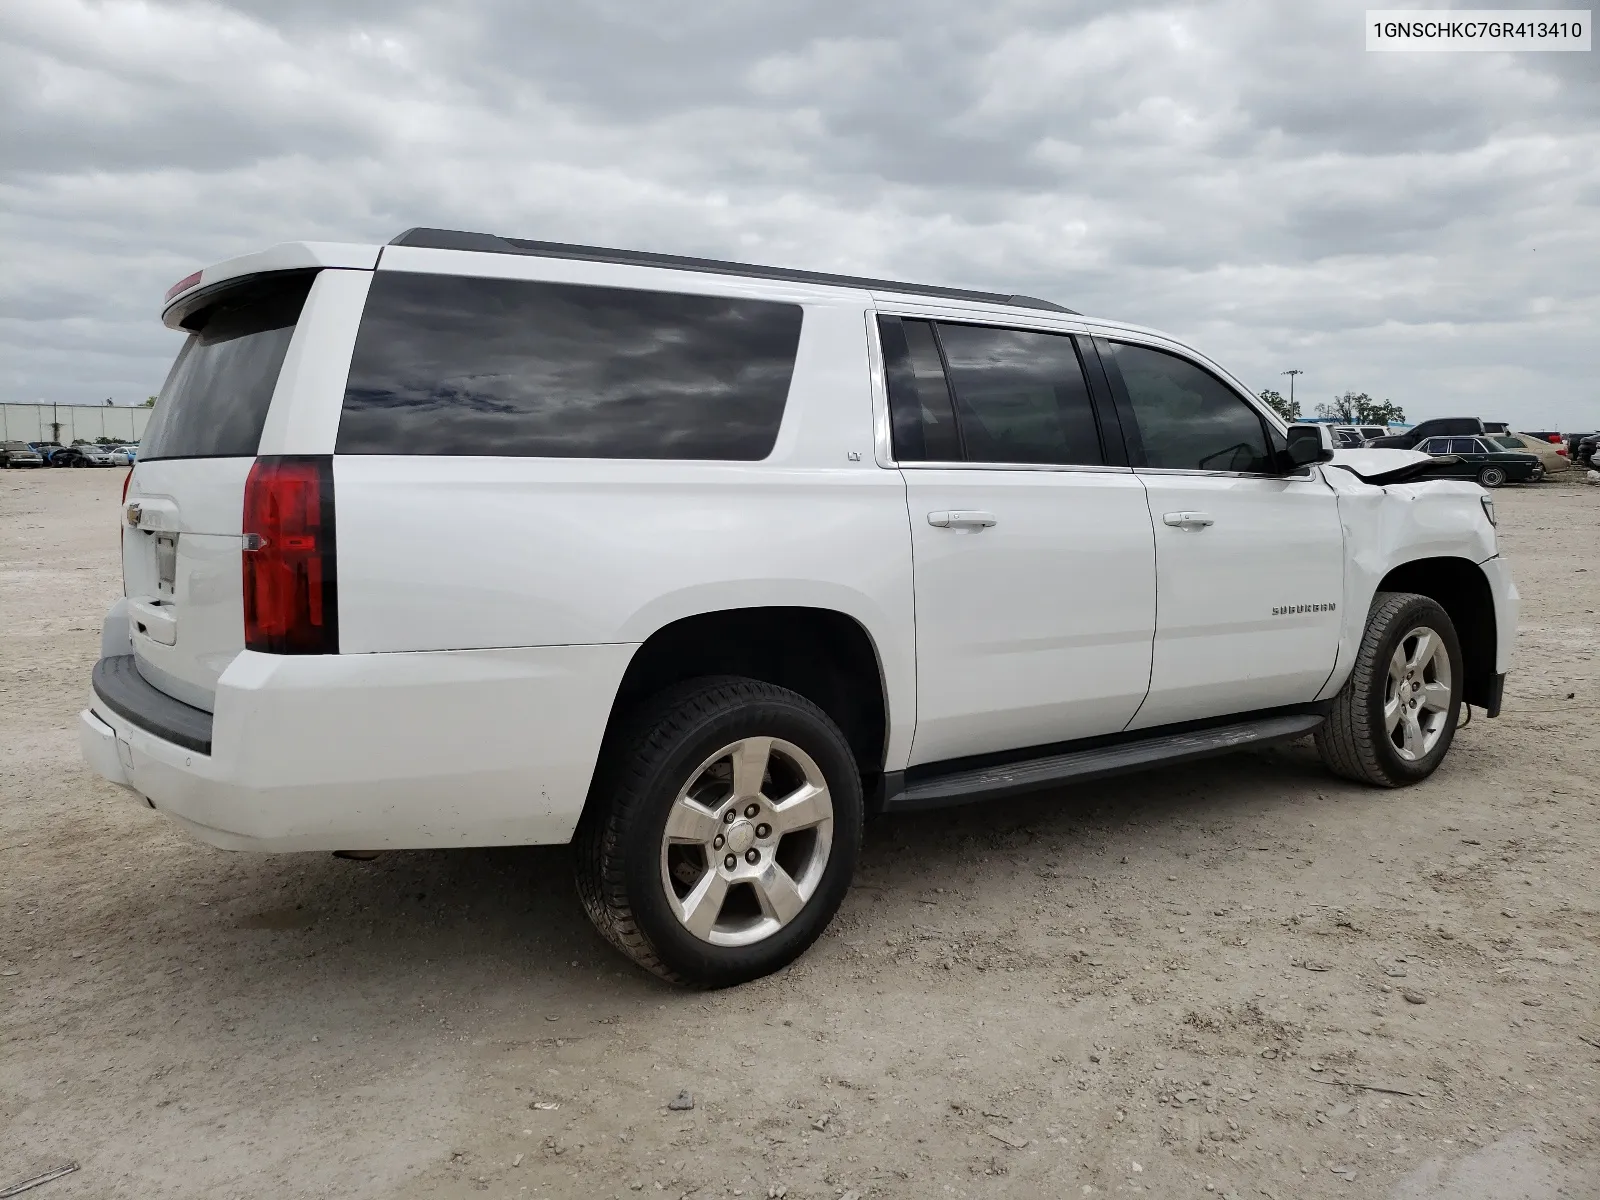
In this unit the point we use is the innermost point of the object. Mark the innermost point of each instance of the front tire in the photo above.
(1393, 721)
(721, 831)
(1491, 477)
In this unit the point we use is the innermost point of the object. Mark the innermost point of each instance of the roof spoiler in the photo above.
(1412, 472)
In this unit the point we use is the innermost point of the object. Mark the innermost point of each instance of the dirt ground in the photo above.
(1242, 978)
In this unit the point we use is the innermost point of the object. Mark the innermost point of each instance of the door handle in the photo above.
(155, 620)
(961, 519)
(1189, 520)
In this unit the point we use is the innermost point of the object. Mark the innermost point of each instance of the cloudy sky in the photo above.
(1422, 227)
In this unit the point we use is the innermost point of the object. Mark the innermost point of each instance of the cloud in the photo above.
(1245, 175)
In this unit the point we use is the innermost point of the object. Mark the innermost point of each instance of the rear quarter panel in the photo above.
(467, 553)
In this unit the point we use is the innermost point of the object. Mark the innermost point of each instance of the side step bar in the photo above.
(1076, 766)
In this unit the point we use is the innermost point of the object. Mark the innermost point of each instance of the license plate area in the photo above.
(166, 564)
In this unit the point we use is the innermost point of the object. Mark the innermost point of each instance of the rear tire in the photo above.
(1393, 721)
(1491, 477)
(721, 831)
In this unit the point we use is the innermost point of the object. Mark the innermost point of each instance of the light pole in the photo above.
(1291, 374)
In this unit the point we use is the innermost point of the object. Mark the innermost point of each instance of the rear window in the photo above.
(215, 400)
(503, 367)
(1021, 396)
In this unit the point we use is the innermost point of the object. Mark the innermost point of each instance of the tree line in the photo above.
(1352, 408)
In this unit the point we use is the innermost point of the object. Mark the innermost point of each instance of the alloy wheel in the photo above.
(1416, 699)
(747, 841)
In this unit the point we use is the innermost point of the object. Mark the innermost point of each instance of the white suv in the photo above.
(467, 541)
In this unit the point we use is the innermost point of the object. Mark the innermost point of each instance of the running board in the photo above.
(1076, 766)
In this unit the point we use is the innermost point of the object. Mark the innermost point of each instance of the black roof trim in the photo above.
(488, 243)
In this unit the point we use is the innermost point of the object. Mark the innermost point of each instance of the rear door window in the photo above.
(216, 396)
(516, 368)
(921, 415)
(986, 394)
(1020, 396)
(1187, 418)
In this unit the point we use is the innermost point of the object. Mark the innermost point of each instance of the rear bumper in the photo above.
(98, 742)
(371, 751)
(119, 687)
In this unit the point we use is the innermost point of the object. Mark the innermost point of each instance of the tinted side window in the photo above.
(1020, 396)
(1188, 419)
(451, 365)
(920, 414)
(216, 396)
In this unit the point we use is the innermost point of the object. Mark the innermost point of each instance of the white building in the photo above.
(38, 422)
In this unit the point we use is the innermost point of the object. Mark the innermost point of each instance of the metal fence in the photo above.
(40, 422)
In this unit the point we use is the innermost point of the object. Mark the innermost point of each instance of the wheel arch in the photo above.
(825, 655)
(1459, 586)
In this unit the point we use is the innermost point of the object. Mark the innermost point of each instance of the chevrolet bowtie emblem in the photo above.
(135, 514)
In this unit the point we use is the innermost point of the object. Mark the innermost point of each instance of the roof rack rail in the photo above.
(488, 243)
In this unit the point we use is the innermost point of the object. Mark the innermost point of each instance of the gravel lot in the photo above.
(1241, 978)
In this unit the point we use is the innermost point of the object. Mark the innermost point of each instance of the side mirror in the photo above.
(1308, 444)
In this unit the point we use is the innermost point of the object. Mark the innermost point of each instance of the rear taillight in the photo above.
(290, 602)
(1562, 450)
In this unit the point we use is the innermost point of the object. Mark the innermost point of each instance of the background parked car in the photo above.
(1438, 426)
(1346, 437)
(19, 454)
(1587, 447)
(126, 454)
(86, 454)
(1489, 464)
(45, 449)
(1553, 457)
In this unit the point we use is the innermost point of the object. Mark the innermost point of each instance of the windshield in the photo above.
(215, 400)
